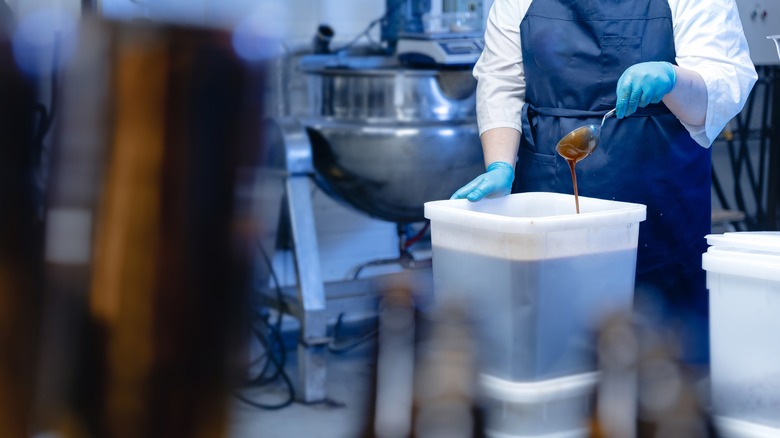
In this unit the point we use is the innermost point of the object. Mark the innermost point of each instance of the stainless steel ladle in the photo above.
(577, 145)
(582, 141)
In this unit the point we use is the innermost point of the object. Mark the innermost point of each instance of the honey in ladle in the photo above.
(575, 146)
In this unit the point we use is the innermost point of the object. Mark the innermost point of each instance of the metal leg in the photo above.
(311, 292)
(773, 189)
(312, 373)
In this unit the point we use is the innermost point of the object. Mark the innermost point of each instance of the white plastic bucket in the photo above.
(743, 277)
(537, 276)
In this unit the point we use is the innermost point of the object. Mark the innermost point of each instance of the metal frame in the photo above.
(762, 177)
(312, 301)
(773, 188)
(310, 291)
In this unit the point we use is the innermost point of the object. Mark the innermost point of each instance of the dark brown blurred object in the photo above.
(151, 233)
(20, 245)
(645, 390)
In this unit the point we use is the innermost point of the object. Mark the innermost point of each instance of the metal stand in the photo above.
(310, 292)
(773, 186)
(312, 302)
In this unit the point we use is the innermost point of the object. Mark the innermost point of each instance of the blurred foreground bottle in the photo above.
(446, 391)
(150, 233)
(390, 409)
(644, 390)
(425, 383)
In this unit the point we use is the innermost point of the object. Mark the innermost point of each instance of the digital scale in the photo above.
(444, 49)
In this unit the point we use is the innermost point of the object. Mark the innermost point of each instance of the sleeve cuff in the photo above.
(492, 125)
(699, 134)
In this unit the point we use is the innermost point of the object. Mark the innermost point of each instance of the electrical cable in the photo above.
(333, 346)
(262, 381)
(270, 338)
(365, 33)
(406, 244)
(372, 263)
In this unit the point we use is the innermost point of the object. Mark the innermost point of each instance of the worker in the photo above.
(675, 70)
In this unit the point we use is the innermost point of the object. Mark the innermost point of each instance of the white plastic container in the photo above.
(743, 276)
(555, 408)
(537, 276)
(730, 428)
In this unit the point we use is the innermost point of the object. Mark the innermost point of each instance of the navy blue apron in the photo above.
(574, 51)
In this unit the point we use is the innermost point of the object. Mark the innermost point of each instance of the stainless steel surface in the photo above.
(290, 153)
(392, 94)
(610, 113)
(387, 140)
(383, 140)
(581, 142)
(289, 157)
(390, 171)
(307, 254)
(290, 145)
(312, 373)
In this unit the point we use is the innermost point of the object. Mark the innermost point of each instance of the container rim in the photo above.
(766, 241)
(615, 213)
(758, 266)
(543, 390)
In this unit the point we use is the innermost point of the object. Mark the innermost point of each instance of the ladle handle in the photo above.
(608, 114)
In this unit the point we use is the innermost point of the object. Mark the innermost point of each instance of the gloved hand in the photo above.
(497, 181)
(643, 84)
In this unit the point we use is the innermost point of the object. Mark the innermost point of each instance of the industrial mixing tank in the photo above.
(386, 139)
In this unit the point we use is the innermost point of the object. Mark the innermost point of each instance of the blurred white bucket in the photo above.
(730, 428)
(743, 276)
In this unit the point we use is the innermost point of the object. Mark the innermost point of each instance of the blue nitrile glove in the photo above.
(643, 84)
(497, 181)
